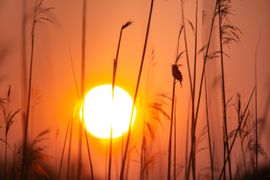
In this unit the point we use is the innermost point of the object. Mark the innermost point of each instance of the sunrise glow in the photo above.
(101, 113)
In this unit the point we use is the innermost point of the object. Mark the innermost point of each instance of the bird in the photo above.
(177, 74)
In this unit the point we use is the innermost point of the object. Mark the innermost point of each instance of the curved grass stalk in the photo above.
(115, 63)
(136, 93)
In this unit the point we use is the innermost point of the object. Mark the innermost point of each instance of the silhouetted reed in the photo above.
(136, 93)
(115, 63)
(40, 14)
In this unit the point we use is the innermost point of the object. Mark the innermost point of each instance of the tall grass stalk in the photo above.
(170, 133)
(63, 150)
(187, 142)
(74, 76)
(69, 150)
(89, 153)
(14, 163)
(175, 78)
(82, 126)
(3, 108)
(205, 58)
(115, 63)
(34, 21)
(226, 143)
(136, 93)
(239, 117)
(175, 144)
(143, 152)
(8, 120)
(186, 46)
(193, 89)
(70, 129)
(208, 130)
(39, 16)
(24, 60)
(243, 119)
(256, 106)
(228, 33)
(189, 71)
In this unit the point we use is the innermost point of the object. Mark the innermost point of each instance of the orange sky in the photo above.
(53, 79)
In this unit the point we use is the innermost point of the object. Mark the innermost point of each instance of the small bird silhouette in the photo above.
(177, 74)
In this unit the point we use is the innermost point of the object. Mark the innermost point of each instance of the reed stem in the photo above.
(136, 92)
(208, 130)
(226, 143)
(63, 150)
(256, 106)
(236, 134)
(25, 137)
(170, 134)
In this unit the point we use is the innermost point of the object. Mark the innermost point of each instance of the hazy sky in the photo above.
(57, 43)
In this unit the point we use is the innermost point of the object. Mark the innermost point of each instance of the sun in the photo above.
(102, 112)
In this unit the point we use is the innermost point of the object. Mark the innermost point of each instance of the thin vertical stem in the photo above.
(236, 134)
(256, 105)
(136, 92)
(63, 150)
(142, 153)
(195, 52)
(79, 167)
(23, 173)
(115, 63)
(5, 167)
(175, 143)
(81, 126)
(226, 143)
(201, 81)
(187, 143)
(170, 134)
(24, 63)
(186, 46)
(84, 14)
(193, 132)
(243, 153)
(89, 153)
(239, 117)
(208, 131)
(71, 126)
(14, 163)
(190, 80)
(110, 153)
(69, 149)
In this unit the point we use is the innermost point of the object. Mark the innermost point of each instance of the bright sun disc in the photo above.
(101, 113)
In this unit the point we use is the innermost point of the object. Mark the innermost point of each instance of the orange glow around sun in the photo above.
(101, 112)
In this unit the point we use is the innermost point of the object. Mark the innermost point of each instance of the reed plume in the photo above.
(41, 14)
